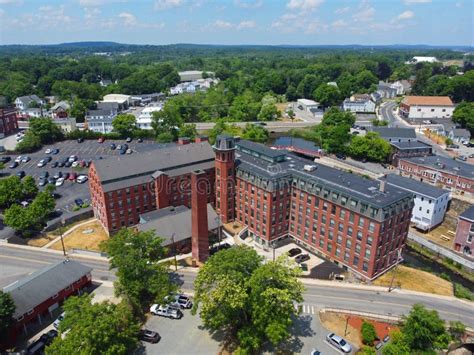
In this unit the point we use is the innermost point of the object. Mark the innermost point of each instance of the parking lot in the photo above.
(87, 150)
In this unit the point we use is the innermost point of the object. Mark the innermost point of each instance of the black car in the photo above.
(5, 159)
(20, 174)
(79, 202)
(66, 176)
(36, 348)
(68, 164)
(51, 180)
(149, 336)
(44, 175)
(340, 156)
(113, 146)
(128, 140)
(60, 164)
(42, 181)
(122, 151)
(216, 248)
(301, 258)
(13, 165)
(80, 140)
(55, 164)
(48, 158)
(55, 151)
(294, 251)
(58, 175)
(139, 140)
(48, 337)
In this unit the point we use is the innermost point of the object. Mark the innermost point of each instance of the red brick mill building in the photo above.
(357, 223)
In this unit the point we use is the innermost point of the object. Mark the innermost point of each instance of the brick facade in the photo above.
(8, 121)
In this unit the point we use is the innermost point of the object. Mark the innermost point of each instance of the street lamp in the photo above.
(399, 257)
(174, 253)
(63, 223)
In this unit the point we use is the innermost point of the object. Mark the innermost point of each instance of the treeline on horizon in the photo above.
(251, 76)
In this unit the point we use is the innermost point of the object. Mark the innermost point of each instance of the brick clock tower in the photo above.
(225, 178)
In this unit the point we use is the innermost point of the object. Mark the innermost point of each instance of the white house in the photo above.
(431, 202)
(307, 105)
(426, 107)
(24, 102)
(359, 103)
(144, 119)
(460, 135)
(100, 120)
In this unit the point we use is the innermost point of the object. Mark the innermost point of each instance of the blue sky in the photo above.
(303, 22)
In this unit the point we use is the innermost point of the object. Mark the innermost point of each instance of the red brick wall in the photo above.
(225, 185)
(8, 121)
(199, 225)
(462, 233)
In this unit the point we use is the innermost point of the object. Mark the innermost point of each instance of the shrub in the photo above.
(445, 276)
(368, 333)
(463, 292)
(456, 329)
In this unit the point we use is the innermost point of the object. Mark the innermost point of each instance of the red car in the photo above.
(101, 140)
(72, 176)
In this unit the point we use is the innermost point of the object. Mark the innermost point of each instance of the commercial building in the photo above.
(144, 119)
(431, 202)
(358, 223)
(123, 100)
(425, 107)
(307, 105)
(446, 172)
(37, 295)
(8, 121)
(359, 103)
(463, 243)
(298, 145)
(420, 59)
(192, 75)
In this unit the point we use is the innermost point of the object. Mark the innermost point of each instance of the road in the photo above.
(17, 262)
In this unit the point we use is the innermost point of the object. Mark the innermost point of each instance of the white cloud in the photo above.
(315, 27)
(409, 2)
(364, 15)
(246, 25)
(91, 13)
(342, 10)
(91, 3)
(225, 25)
(128, 19)
(248, 4)
(304, 4)
(339, 24)
(406, 15)
(167, 4)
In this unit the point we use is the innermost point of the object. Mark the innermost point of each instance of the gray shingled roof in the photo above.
(389, 132)
(260, 148)
(42, 284)
(177, 220)
(410, 145)
(115, 169)
(448, 165)
(461, 132)
(415, 186)
(468, 214)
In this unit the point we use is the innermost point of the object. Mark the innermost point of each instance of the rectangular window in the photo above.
(347, 256)
(349, 231)
(367, 253)
(348, 243)
(321, 243)
(361, 222)
(371, 226)
(356, 261)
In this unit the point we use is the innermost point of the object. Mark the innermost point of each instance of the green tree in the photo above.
(124, 124)
(464, 115)
(377, 123)
(140, 279)
(307, 86)
(245, 107)
(47, 131)
(222, 127)
(456, 330)
(291, 115)
(368, 333)
(166, 121)
(29, 186)
(7, 309)
(255, 133)
(370, 146)
(30, 143)
(328, 95)
(188, 130)
(424, 330)
(251, 301)
(397, 345)
(95, 328)
(11, 191)
(268, 112)
(17, 218)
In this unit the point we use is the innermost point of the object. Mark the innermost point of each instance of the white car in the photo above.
(58, 320)
(72, 158)
(75, 164)
(48, 151)
(59, 182)
(339, 342)
(41, 163)
(18, 159)
(81, 179)
(25, 159)
(166, 311)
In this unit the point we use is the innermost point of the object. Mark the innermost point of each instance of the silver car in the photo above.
(339, 342)
(166, 311)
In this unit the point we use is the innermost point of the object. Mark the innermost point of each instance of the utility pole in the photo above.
(399, 256)
(174, 253)
(347, 322)
(63, 222)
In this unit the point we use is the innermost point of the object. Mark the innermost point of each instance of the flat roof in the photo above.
(44, 283)
(298, 143)
(410, 145)
(427, 101)
(414, 186)
(393, 132)
(307, 102)
(468, 214)
(243, 145)
(451, 166)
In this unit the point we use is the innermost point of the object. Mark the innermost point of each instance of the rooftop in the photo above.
(259, 150)
(351, 184)
(468, 214)
(392, 132)
(415, 186)
(42, 284)
(448, 165)
(427, 101)
(174, 220)
(410, 145)
(296, 143)
(121, 171)
(307, 102)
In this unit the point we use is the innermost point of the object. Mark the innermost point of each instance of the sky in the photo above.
(233, 22)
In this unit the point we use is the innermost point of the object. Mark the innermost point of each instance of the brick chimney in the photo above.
(200, 229)
(200, 139)
(183, 140)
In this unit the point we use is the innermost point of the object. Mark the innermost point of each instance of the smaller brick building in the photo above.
(41, 292)
(463, 243)
(8, 121)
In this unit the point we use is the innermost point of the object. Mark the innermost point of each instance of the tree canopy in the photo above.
(464, 115)
(7, 309)
(124, 124)
(251, 301)
(371, 147)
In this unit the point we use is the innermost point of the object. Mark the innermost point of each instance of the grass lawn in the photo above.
(88, 237)
(416, 280)
(40, 241)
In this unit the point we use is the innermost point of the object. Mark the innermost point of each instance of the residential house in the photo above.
(446, 172)
(24, 102)
(193, 86)
(460, 135)
(386, 90)
(431, 203)
(39, 294)
(67, 124)
(144, 119)
(464, 240)
(376, 97)
(60, 110)
(100, 120)
(34, 112)
(359, 103)
(425, 107)
(105, 82)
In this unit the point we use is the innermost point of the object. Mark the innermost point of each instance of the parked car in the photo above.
(113, 146)
(294, 251)
(129, 151)
(82, 179)
(72, 176)
(79, 202)
(48, 159)
(338, 342)
(340, 156)
(20, 174)
(58, 320)
(462, 158)
(302, 258)
(216, 248)
(166, 311)
(55, 151)
(80, 140)
(44, 175)
(18, 159)
(179, 301)
(48, 337)
(42, 182)
(13, 165)
(48, 151)
(149, 336)
(101, 140)
(36, 348)
(68, 164)
(139, 140)
(55, 164)
(471, 155)
(5, 160)
(453, 146)
(66, 176)
(315, 352)
(128, 140)
(72, 158)
(25, 159)
(51, 180)
(75, 164)
(59, 182)
(122, 151)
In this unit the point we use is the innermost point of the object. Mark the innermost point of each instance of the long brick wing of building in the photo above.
(358, 223)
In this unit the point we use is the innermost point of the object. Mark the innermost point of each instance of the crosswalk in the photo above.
(306, 308)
